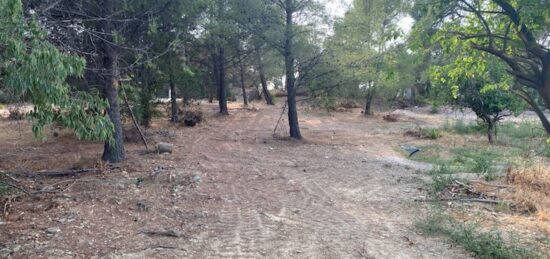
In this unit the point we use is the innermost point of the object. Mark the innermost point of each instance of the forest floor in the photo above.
(231, 188)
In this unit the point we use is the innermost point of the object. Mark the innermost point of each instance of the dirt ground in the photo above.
(231, 189)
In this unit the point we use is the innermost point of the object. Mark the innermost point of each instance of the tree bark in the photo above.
(222, 94)
(173, 98)
(215, 75)
(145, 98)
(263, 81)
(113, 151)
(289, 67)
(540, 113)
(241, 68)
(491, 131)
(368, 102)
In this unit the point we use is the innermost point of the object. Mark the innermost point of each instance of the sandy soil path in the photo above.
(233, 190)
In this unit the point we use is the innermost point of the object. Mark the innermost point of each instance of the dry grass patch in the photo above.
(531, 189)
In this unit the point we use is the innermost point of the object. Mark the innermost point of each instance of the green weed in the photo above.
(480, 244)
(463, 128)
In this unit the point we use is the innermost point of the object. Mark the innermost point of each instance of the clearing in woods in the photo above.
(230, 189)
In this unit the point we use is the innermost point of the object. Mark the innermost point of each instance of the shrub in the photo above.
(426, 133)
(17, 113)
(480, 244)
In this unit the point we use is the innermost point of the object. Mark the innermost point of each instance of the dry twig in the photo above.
(461, 200)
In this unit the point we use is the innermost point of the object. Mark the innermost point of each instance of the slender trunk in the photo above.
(491, 131)
(243, 87)
(290, 80)
(145, 98)
(222, 94)
(263, 81)
(540, 113)
(211, 94)
(215, 75)
(368, 102)
(173, 99)
(544, 92)
(265, 92)
(114, 150)
(542, 117)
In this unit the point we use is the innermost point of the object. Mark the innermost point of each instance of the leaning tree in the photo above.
(516, 32)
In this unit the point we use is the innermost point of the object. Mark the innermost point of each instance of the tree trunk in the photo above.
(542, 117)
(289, 66)
(540, 113)
(241, 68)
(222, 94)
(368, 102)
(145, 98)
(113, 151)
(263, 81)
(173, 98)
(491, 131)
(544, 92)
(215, 75)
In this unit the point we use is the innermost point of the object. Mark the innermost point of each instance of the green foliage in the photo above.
(483, 166)
(441, 179)
(482, 51)
(430, 133)
(480, 244)
(36, 72)
(366, 54)
(463, 128)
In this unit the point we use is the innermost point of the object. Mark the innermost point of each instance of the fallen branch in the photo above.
(166, 233)
(135, 121)
(461, 200)
(280, 117)
(491, 185)
(59, 173)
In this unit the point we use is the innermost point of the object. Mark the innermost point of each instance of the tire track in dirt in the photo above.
(261, 196)
(305, 206)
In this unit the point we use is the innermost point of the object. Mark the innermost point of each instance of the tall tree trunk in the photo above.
(145, 98)
(289, 67)
(215, 75)
(173, 96)
(542, 118)
(263, 81)
(222, 94)
(544, 92)
(241, 68)
(368, 101)
(113, 151)
(540, 113)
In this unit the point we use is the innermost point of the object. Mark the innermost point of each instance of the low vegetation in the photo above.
(488, 244)
(512, 172)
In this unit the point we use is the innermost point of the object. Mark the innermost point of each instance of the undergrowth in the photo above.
(480, 244)
(516, 144)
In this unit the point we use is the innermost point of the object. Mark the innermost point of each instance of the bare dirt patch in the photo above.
(230, 189)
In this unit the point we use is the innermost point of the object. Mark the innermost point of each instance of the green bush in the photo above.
(442, 176)
(483, 166)
(431, 133)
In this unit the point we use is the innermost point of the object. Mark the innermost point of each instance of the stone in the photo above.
(165, 148)
(53, 230)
